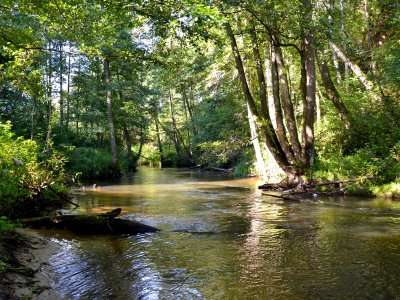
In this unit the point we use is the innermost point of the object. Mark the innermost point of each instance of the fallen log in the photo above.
(89, 224)
(227, 171)
(282, 197)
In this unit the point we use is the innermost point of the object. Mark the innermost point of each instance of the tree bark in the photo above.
(332, 92)
(287, 105)
(141, 143)
(356, 69)
(128, 142)
(260, 73)
(266, 129)
(256, 144)
(366, 13)
(68, 94)
(61, 102)
(115, 172)
(175, 136)
(309, 108)
(280, 127)
(160, 148)
(49, 100)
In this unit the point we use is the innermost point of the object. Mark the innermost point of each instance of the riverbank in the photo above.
(26, 276)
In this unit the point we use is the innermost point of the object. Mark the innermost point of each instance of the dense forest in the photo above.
(295, 90)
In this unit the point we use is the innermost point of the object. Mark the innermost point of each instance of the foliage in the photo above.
(26, 173)
(390, 190)
(175, 88)
(90, 162)
(245, 165)
(6, 225)
(219, 153)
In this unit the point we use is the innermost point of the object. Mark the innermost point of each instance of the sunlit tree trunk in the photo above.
(332, 92)
(342, 27)
(280, 126)
(256, 144)
(115, 172)
(309, 109)
(68, 116)
(160, 148)
(334, 56)
(266, 129)
(175, 137)
(49, 99)
(367, 26)
(61, 102)
(287, 105)
(356, 69)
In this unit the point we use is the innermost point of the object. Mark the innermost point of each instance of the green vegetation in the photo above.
(187, 83)
(26, 175)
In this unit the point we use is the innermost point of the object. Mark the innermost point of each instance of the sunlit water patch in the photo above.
(221, 239)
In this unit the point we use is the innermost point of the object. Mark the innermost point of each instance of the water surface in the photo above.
(221, 239)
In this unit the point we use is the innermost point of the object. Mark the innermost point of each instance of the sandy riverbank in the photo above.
(30, 278)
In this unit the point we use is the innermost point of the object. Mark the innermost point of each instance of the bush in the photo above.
(90, 162)
(25, 175)
(219, 153)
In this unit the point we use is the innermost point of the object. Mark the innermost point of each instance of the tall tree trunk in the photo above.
(160, 148)
(332, 92)
(68, 116)
(356, 69)
(288, 105)
(366, 13)
(334, 56)
(49, 100)
(131, 160)
(115, 172)
(175, 136)
(346, 67)
(128, 142)
(260, 72)
(61, 102)
(280, 127)
(266, 129)
(309, 109)
(189, 109)
(77, 108)
(141, 143)
(256, 144)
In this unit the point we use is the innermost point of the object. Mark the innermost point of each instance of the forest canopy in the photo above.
(301, 90)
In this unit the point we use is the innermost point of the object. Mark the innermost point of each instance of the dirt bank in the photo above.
(29, 277)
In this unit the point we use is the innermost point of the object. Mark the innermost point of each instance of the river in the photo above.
(221, 239)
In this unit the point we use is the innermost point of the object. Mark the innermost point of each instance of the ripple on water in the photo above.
(220, 242)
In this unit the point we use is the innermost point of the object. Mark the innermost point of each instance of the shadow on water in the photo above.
(221, 239)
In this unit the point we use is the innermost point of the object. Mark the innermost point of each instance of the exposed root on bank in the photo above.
(311, 190)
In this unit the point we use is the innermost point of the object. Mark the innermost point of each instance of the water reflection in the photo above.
(222, 240)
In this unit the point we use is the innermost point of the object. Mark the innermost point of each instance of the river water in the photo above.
(221, 239)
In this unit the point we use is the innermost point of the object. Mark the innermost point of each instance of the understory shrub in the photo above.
(219, 153)
(88, 162)
(26, 172)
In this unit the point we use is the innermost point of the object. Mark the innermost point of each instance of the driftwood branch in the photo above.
(310, 190)
(219, 170)
(282, 197)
